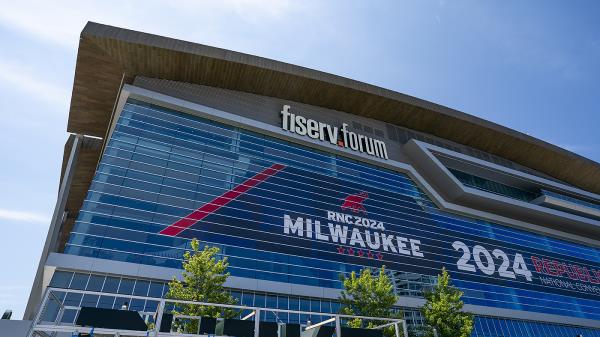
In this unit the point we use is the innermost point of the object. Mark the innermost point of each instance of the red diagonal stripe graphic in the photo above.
(220, 201)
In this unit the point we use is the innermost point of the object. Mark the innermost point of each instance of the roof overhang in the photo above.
(110, 56)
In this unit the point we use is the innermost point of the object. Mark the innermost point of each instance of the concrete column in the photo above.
(54, 229)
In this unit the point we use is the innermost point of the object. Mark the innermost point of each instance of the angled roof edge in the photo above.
(109, 55)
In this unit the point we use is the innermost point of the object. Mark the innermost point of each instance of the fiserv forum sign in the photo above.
(338, 136)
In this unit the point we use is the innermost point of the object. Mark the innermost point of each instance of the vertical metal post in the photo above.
(397, 329)
(43, 307)
(159, 314)
(435, 332)
(59, 316)
(338, 326)
(257, 322)
(405, 328)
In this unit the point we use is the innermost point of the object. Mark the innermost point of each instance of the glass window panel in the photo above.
(485, 326)
(259, 300)
(294, 303)
(137, 304)
(496, 326)
(304, 304)
(61, 279)
(248, 299)
(325, 306)
(52, 309)
(271, 303)
(89, 300)
(111, 285)
(156, 289)
(141, 288)
(106, 302)
(95, 283)
(69, 316)
(282, 302)
(512, 330)
(73, 299)
(335, 307)
(151, 306)
(122, 303)
(315, 305)
(237, 295)
(79, 281)
(126, 286)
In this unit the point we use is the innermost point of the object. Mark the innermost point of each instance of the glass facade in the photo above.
(512, 192)
(115, 298)
(495, 327)
(284, 212)
(119, 290)
(571, 199)
(494, 186)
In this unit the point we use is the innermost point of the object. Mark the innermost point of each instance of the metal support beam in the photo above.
(257, 322)
(321, 323)
(397, 329)
(159, 313)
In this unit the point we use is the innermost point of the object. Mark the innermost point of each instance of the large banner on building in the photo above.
(292, 211)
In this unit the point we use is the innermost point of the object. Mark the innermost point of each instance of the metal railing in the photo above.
(50, 318)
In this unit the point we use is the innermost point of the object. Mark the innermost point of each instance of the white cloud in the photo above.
(61, 22)
(14, 297)
(245, 9)
(30, 217)
(11, 292)
(20, 77)
(45, 20)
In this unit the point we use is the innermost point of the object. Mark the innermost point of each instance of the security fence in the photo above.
(57, 318)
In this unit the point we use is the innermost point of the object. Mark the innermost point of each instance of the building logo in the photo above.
(324, 132)
(354, 202)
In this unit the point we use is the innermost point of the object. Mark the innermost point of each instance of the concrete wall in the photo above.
(10, 328)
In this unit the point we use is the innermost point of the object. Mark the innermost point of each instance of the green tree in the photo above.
(203, 279)
(370, 295)
(443, 310)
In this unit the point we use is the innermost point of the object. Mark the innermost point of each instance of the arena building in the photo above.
(299, 176)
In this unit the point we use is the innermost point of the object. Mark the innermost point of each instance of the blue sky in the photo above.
(530, 65)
